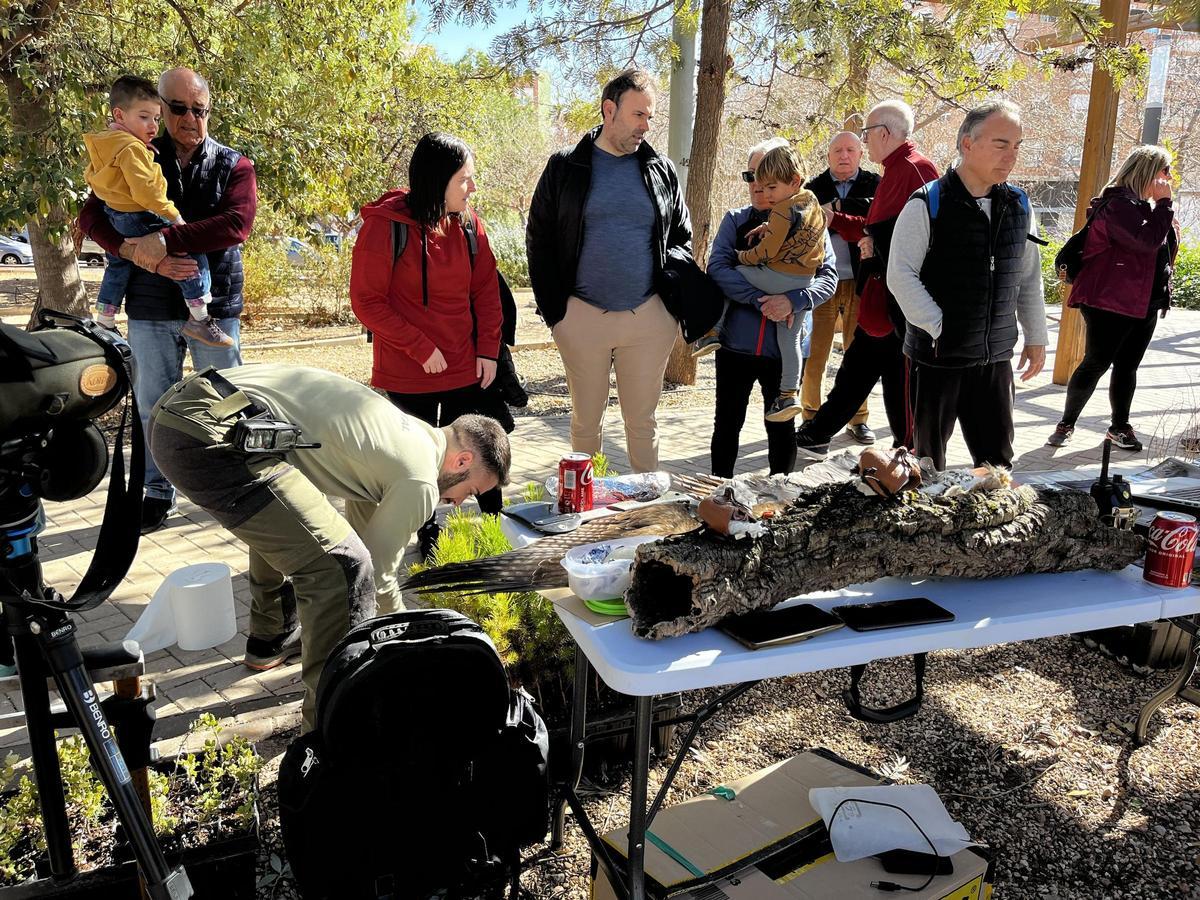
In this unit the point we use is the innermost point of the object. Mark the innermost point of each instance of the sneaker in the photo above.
(267, 653)
(7, 671)
(784, 409)
(861, 433)
(1124, 439)
(810, 448)
(207, 332)
(1062, 435)
(706, 345)
(155, 511)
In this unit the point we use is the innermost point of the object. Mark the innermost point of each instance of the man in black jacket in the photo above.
(847, 189)
(601, 222)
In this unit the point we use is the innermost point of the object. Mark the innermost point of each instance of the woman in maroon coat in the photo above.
(1123, 287)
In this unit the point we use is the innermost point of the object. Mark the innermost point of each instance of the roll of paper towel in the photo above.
(193, 608)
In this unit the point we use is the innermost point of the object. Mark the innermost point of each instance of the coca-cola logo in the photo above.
(1174, 540)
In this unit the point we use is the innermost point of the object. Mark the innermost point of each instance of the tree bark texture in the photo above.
(54, 262)
(835, 536)
(714, 66)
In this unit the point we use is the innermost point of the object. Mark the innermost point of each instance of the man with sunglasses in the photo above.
(214, 188)
(877, 351)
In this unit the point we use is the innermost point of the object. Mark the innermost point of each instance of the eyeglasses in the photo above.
(863, 134)
(182, 109)
(748, 177)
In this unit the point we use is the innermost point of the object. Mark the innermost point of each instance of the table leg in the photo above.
(583, 674)
(1178, 686)
(638, 792)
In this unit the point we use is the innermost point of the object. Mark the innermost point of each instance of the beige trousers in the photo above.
(637, 344)
(845, 304)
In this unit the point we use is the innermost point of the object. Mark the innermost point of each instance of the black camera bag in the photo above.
(424, 773)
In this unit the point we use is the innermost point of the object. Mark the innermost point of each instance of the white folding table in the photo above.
(986, 612)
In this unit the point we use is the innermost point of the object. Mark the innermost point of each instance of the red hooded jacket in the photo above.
(432, 298)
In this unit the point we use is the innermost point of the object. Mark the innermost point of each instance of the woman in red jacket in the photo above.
(434, 311)
(1123, 287)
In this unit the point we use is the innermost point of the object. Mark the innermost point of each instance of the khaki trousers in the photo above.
(845, 304)
(637, 344)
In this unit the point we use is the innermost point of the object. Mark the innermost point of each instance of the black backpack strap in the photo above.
(399, 240)
(895, 713)
(468, 227)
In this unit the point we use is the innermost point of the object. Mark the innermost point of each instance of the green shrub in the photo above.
(530, 638)
(269, 277)
(324, 291)
(1186, 288)
(508, 246)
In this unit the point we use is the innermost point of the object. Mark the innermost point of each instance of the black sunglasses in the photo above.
(182, 109)
(748, 177)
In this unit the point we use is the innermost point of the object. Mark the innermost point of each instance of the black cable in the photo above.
(892, 885)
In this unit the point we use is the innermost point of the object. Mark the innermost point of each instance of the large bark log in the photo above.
(835, 536)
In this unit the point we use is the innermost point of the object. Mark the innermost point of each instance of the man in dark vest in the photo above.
(845, 190)
(215, 189)
(965, 267)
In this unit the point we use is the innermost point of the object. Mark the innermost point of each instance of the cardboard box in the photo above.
(768, 842)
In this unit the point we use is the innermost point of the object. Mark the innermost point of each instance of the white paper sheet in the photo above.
(866, 828)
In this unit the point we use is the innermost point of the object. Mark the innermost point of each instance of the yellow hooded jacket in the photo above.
(122, 172)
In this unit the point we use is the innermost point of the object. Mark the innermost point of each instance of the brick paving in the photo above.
(190, 682)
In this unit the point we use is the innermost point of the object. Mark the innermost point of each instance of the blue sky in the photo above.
(454, 40)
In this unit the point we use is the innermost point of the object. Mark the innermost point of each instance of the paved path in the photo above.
(188, 682)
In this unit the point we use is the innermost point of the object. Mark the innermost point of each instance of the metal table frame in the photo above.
(627, 876)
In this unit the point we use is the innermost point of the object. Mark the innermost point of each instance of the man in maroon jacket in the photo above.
(877, 351)
(215, 189)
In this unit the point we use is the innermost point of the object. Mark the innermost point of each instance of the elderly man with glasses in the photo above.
(876, 352)
(214, 188)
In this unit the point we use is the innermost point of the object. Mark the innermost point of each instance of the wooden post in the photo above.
(1093, 173)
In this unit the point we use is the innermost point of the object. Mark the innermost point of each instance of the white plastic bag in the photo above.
(866, 828)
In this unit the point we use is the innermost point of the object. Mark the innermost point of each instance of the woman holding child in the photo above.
(434, 310)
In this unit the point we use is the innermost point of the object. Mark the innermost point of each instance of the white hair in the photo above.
(764, 147)
(896, 115)
(973, 121)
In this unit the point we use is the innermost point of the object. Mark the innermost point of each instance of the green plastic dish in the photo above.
(607, 607)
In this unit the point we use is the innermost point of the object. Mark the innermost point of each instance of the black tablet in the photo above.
(892, 614)
(772, 627)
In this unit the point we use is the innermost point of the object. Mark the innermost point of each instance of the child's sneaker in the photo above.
(706, 345)
(208, 332)
(784, 409)
(1124, 438)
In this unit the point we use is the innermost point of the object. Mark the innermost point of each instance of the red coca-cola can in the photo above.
(1171, 550)
(575, 483)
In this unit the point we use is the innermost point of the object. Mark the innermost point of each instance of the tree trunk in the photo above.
(715, 63)
(54, 262)
(835, 536)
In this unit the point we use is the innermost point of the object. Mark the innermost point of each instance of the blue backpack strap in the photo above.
(931, 193)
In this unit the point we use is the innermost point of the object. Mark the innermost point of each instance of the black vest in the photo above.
(973, 272)
(197, 192)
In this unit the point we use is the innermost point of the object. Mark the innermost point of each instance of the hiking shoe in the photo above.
(809, 447)
(783, 409)
(155, 511)
(861, 433)
(1062, 435)
(207, 332)
(1123, 438)
(706, 345)
(267, 653)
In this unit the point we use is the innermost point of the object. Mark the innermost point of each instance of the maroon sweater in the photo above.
(229, 227)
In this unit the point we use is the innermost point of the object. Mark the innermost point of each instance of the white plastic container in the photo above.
(601, 571)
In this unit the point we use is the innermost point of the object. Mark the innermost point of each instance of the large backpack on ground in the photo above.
(425, 774)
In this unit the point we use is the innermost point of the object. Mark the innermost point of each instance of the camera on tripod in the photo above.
(54, 383)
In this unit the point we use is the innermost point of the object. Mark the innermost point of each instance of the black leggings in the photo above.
(1112, 340)
(440, 408)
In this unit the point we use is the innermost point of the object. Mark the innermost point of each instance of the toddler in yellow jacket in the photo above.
(123, 173)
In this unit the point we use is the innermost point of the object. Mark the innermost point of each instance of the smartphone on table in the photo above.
(773, 627)
(892, 614)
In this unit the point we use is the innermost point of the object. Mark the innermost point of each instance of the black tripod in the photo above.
(45, 641)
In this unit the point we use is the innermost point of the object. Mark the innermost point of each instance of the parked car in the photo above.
(298, 252)
(15, 252)
(91, 253)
